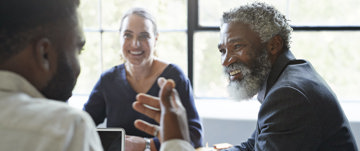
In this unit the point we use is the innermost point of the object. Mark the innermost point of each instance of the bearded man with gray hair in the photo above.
(298, 109)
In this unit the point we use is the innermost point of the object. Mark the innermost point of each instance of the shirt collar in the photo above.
(280, 64)
(12, 82)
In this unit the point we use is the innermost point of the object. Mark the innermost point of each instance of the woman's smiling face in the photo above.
(137, 40)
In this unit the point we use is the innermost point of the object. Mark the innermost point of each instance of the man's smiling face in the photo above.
(244, 58)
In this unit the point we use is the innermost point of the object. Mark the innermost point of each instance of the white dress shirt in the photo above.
(30, 122)
(176, 145)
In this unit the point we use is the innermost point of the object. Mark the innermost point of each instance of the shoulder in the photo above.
(290, 89)
(63, 121)
(48, 117)
(174, 67)
(72, 124)
(41, 120)
(64, 115)
(304, 79)
(174, 71)
(299, 73)
(287, 104)
(287, 93)
(115, 71)
(298, 89)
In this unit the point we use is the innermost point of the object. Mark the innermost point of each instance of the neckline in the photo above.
(128, 85)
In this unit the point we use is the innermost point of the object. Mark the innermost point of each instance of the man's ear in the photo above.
(275, 45)
(44, 51)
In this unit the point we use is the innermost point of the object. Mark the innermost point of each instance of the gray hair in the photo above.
(142, 13)
(264, 19)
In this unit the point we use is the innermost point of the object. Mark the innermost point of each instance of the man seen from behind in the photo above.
(40, 41)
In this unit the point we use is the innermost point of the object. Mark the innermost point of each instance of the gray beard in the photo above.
(253, 79)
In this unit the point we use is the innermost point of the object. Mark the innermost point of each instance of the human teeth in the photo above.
(136, 52)
(234, 72)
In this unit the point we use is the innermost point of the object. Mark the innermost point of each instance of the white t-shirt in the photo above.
(30, 122)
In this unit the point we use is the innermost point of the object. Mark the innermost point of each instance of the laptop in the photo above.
(112, 139)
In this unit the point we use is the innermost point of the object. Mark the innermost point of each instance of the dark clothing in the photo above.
(112, 98)
(299, 112)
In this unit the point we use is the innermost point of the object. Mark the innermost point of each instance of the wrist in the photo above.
(147, 144)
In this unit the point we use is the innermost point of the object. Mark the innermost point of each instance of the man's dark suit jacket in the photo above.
(299, 112)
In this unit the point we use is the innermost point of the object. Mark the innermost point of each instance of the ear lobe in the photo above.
(43, 48)
(275, 45)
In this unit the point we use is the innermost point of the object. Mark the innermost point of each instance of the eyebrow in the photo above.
(144, 33)
(232, 40)
(129, 31)
(235, 39)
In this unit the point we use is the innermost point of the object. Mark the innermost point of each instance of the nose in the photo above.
(135, 43)
(227, 59)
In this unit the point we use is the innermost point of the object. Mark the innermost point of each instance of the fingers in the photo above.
(148, 100)
(165, 93)
(161, 81)
(147, 127)
(171, 116)
(154, 114)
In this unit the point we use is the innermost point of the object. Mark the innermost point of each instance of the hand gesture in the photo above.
(166, 110)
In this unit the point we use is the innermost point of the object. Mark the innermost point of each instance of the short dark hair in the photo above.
(22, 21)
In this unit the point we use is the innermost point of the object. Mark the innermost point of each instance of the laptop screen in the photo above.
(112, 139)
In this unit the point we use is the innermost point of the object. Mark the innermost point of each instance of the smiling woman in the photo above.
(102, 49)
(115, 91)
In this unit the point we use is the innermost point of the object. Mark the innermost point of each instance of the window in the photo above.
(334, 55)
(101, 21)
(325, 33)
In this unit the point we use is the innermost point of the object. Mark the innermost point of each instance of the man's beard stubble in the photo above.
(63, 82)
(253, 78)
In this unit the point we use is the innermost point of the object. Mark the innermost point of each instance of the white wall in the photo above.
(227, 131)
